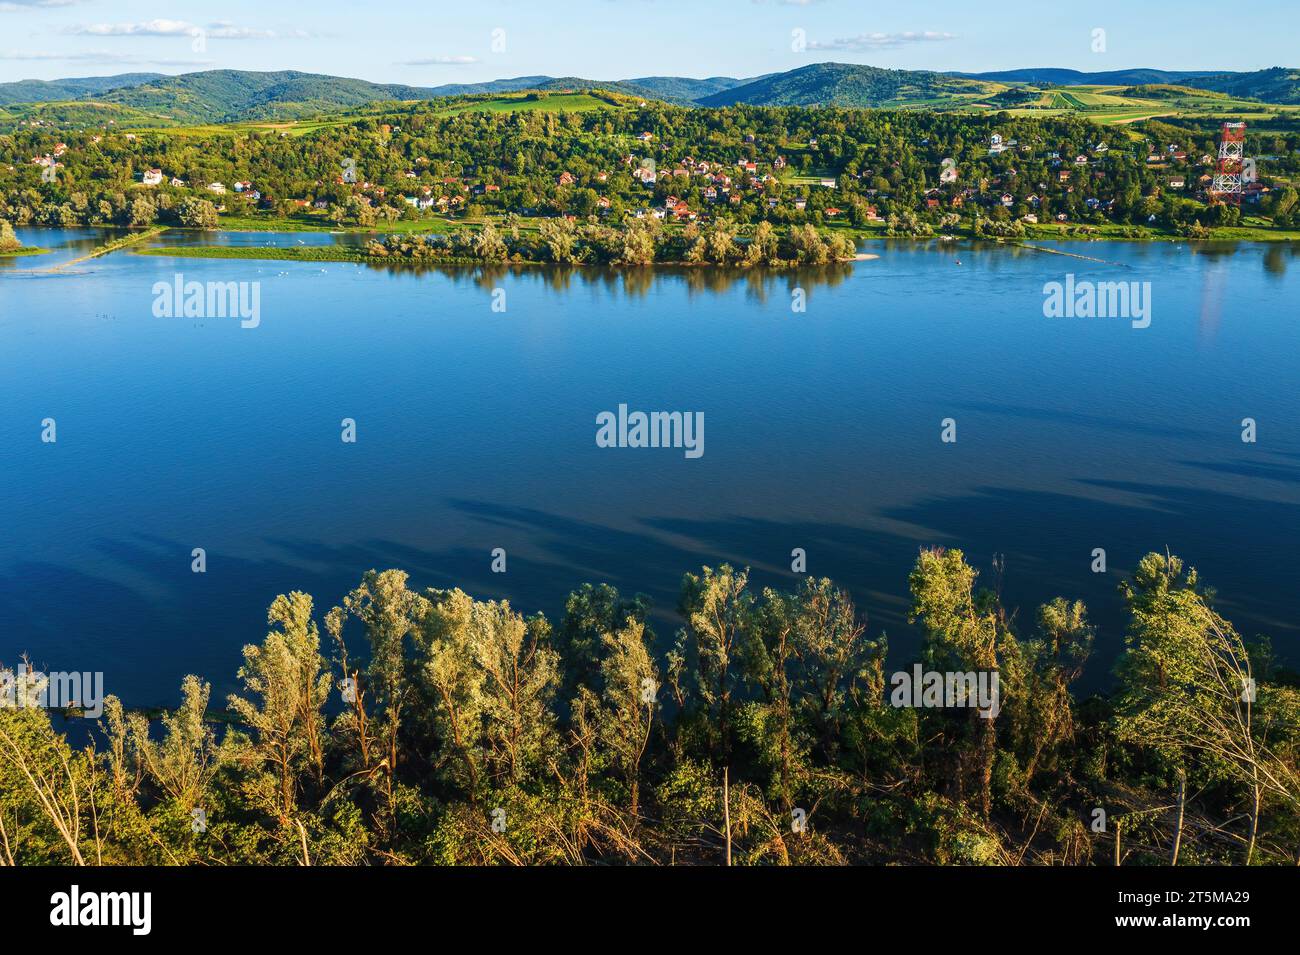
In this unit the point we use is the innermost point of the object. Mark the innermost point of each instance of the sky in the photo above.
(431, 42)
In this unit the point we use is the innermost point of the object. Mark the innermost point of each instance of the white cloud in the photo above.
(880, 41)
(11, 5)
(99, 56)
(148, 28)
(442, 61)
(219, 30)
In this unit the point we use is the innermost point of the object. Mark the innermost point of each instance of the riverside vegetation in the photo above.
(427, 727)
(581, 172)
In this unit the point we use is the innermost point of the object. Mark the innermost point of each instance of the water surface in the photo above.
(476, 430)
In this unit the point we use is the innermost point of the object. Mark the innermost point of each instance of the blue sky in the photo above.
(433, 42)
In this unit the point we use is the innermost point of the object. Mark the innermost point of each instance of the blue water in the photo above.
(476, 430)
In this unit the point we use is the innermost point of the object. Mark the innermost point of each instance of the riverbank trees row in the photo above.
(424, 726)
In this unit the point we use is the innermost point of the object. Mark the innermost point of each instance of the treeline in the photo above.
(871, 159)
(640, 242)
(443, 729)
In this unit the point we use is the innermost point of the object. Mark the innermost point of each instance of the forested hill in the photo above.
(217, 96)
(228, 95)
(843, 84)
(73, 88)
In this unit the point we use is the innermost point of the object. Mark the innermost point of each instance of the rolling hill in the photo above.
(1275, 85)
(223, 96)
(845, 84)
(73, 88)
(217, 96)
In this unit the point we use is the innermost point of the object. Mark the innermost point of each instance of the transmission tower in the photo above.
(1228, 177)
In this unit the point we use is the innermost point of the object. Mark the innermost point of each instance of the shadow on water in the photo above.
(630, 282)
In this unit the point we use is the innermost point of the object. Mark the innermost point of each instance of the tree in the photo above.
(1188, 690)
(284, 676)
(8, 241)
(965, 629)
(195, 213)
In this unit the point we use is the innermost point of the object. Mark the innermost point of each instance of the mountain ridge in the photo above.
(232, 95)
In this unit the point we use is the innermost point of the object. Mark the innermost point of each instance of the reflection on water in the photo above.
(477, 431)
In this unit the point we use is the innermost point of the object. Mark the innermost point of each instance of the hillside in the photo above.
(1059, 77)
(1275, 85)
(228, 95)
(223, 96)
(681, 90)
(845, 84)
(73, 88)
(1279, 85)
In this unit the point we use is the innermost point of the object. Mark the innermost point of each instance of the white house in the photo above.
(151, 177)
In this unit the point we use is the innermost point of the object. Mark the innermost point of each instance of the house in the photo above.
(1081, 160)
(832, 212)
(645, 137)
(873, 214)
(1030, 217)
(151, 177)
(748, 165)
(828, 183)
(710, 194)
(801, 204)
(1063, 176)
(241, 186)
(778, 162)
(1033, 200)
(217, 188)
(1007, 199)
(957, 201)
(932, 203)
(948, 174)
(1177, 182)
(602, 202)
(1062, 217)
(566, 179)
(178, 183)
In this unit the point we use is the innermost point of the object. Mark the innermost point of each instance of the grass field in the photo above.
(1120, 104)
(318, 222)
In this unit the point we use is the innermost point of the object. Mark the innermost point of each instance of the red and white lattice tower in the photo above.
(1228, 178)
